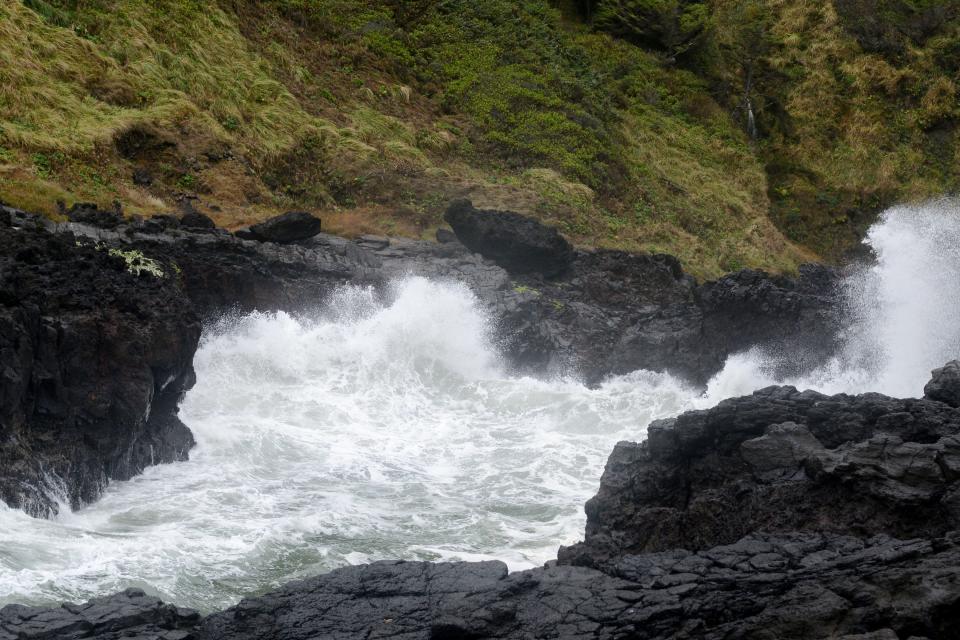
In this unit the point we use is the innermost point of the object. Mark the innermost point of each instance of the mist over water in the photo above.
(370, 430)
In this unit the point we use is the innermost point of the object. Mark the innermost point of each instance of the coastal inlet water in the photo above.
(370, 430)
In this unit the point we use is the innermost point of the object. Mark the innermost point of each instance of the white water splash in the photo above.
(366, 432)
(371, 431)
(903, 313)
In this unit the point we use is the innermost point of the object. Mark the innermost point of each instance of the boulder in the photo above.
(293, 226)
(945, 384)
(142, 177)
(195, 220)
(517, 243)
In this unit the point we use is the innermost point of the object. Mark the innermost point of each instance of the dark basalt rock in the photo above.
(609, 313)
(94, 359)
(445, 235)
(515, 242)
(792, 586)
(89, 213)
(142, 177)
(293, 226)
(130, 614)
(778, 461)
(945, 384)
(195, 220)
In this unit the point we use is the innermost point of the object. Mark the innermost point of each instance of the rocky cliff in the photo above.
(96, 349)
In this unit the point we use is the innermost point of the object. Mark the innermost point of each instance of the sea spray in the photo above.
(902, 312)
(366, 430)
(372, 429)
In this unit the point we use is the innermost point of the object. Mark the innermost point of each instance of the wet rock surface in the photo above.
(94, 359)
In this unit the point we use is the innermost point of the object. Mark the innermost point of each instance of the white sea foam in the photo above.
(365, 432)
(375, 430)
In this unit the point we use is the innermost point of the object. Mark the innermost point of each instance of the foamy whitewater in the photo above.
(368, 431)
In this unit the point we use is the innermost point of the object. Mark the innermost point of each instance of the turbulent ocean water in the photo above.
(369, 430)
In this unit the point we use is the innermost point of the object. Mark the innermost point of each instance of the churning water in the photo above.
(369, 431)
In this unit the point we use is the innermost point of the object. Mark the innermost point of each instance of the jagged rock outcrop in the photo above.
(782, 461)
(293, 226)
(196, 220)
(945, 384)
(94, 359)
(517, 243)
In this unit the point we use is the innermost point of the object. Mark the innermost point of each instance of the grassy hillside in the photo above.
(375, 113)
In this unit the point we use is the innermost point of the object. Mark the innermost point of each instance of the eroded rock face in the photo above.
(94, 359)
(517, 243)
(779, 460)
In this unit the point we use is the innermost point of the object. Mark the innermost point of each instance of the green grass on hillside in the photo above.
(376, 113)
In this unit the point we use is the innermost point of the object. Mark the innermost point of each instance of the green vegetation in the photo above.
(137, 263)
(714, 130)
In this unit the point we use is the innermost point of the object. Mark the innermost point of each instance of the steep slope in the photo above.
(244, 109)
(710, 135)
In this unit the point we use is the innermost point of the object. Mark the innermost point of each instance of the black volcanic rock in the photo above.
(945, 384)
(763, 586)
(610, 312)
(779, 460)
(795, 586)
(517, 243)
(89, 213)
(130, 614)
(794, 317)
(195, 220)
(293, 226)
(94, 358)
(445, 235)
